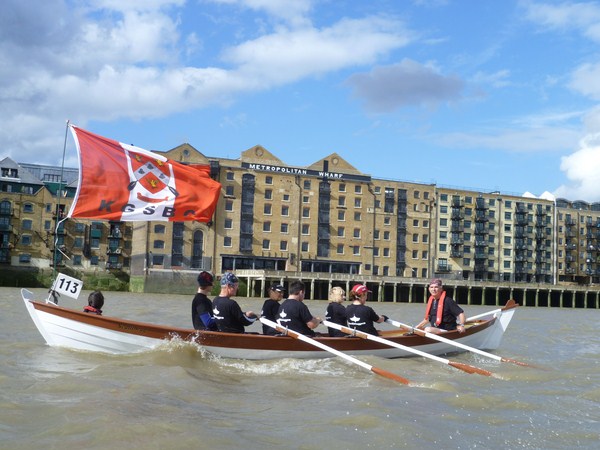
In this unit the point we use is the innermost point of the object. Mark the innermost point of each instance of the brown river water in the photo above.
(180, 397)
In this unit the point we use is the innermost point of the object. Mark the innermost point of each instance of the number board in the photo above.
(66, 285)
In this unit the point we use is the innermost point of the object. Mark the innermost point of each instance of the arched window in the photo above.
(5, 207)
(197, 246)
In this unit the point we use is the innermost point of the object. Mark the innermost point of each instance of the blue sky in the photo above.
(479, 94)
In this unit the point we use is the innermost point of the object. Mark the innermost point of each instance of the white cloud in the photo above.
(292, 11)
(541, 139)
(497, 79)
(118, 59)
(582, 168)
(289, 55)
(585, 79)
(566, 16)
(135, 5)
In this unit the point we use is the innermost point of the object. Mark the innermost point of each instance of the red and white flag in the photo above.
(125, 183)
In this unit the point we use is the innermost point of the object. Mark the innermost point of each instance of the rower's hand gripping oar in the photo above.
(439, 338)
(301, 337)
(361, 334)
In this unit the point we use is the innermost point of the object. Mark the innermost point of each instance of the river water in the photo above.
(180, 397)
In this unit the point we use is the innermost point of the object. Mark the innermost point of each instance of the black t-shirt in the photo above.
(269, 311)
(229, 315)
(449, 315)
(202, 316)
(361, 318)
(336, 313)
(294, 314)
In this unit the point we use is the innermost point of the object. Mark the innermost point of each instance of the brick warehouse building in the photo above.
(326, 221)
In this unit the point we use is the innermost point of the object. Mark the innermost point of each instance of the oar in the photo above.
(301, 337)
(510, 304)
(439, 338)
(464, 367)
(489, 313)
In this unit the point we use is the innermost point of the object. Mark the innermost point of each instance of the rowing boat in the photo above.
(72, 329)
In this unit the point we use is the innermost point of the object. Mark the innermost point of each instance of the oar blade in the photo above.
(470, 369)
(514, 361)
(299, 336)
(390, 375)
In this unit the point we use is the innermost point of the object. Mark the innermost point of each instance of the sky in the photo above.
(482, 95)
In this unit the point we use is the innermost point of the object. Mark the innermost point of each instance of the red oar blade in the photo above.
(390, 375)
(470, 369)
(514, 361)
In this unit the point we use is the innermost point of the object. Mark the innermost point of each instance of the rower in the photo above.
(442, 314)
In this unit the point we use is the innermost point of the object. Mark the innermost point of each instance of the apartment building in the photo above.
(494, 237)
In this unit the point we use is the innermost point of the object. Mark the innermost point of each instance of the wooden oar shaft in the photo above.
(436, 337)
(478, 316)
(509, 305)
(301, 337)
(439, 338)
(363, 335)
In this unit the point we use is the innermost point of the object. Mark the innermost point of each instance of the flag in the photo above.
(125, 183)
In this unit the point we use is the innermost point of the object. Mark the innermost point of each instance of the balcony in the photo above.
(521, 219)
(444, 268)
(480, 204)
(114, 251)
(481, 230)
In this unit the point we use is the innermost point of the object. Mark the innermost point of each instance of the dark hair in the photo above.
(205, 279)
(96, 300)
(296, 287)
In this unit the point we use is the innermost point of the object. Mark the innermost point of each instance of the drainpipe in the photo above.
(554, 245)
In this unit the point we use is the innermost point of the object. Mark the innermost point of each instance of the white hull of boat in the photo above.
(62, 327)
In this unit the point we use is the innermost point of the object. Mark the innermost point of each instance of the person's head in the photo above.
(436, 287)
(205, 280)
(229, 284)
(337, 295)
(96, 300)
(296, 290)
(276, 292)
(359, 293)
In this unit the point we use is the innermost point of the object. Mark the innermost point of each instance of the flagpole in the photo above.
(59, 222)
